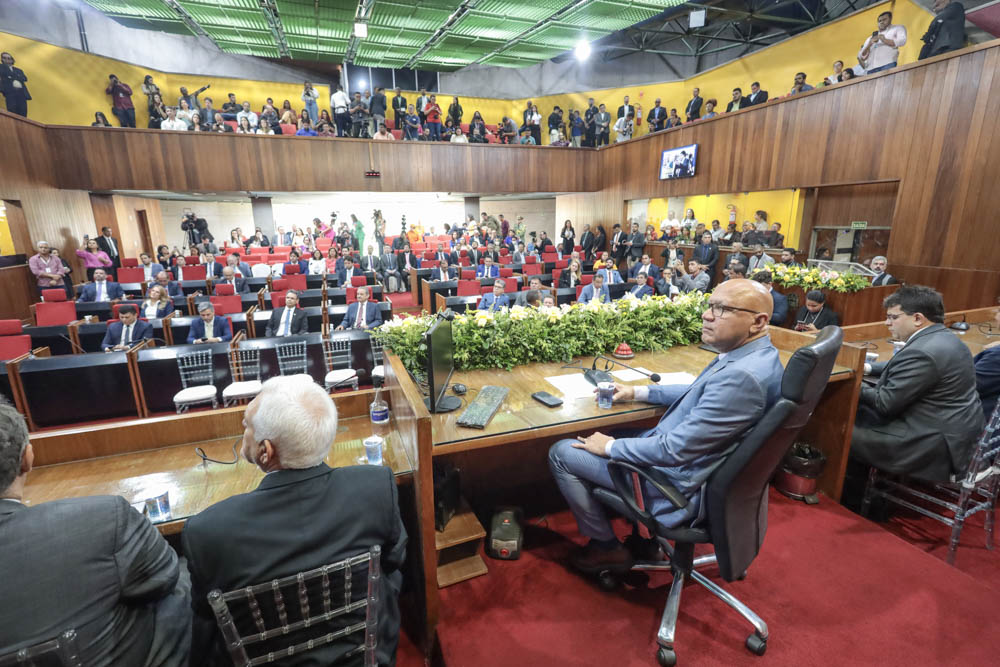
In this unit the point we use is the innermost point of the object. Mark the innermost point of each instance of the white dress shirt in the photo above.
(883, 54)
(285, 328)
(147, 272)
(339, 101)
(100, 291)
(149, 309)
(126, 334)
(176, 124)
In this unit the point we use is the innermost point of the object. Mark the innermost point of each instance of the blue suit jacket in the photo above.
(703, 422)
(780, 308)
(641, 290)
(607, 276)
(343, 280)
(113, 335)
(214, 270)
(587, 294)
(481, 271)
(303, 266)
(220, 329)
(651, 270)
(244, 269)
(436, 274)
(174, 289)
(491, 302)
(988, 378)
(373, 318)
(89, 292)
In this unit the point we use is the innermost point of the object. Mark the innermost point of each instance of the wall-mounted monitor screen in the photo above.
(678, 162)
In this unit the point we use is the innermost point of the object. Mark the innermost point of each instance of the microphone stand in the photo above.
(654, 377)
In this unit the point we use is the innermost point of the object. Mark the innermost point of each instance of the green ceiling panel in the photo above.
(508, 33)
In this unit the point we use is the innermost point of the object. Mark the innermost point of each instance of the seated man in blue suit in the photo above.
(487, 269)
(443, 272)
(595, 290)
(123, 334)
(240, 268)
(612, 276)
(101, 289)
(172, 286)
(295, 259)
(345, 274)
(213, 269)
(149, 267)
(362, 314)
(699, 428)
(646, 266)
(496, 299)
(780, 300)
(642, 287)
(221, 333)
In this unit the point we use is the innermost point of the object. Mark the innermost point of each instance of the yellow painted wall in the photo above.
(6, 240)
(68, 86)
(784, 206)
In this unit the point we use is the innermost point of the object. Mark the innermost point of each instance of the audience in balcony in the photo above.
(359, 116)
(657, 117)
(738, 102)
(184, 113)
(197, 125)
(305, 128)
(880, 51)
(945, 33)
(100, 120)
(710, 109)
(432, 116)
(383, 133)
(459, 137)
(756, 96)
(172, 122)
(121, 101)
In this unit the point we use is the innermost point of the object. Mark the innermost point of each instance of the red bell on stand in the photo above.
(623, 351)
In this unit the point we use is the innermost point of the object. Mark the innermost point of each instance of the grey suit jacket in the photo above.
(923, 416)
(95, 565)
(704, 422)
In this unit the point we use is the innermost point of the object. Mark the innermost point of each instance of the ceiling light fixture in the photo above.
(582, 50)
(361, 30)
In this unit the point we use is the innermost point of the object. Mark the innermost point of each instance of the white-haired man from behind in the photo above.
(303, 515)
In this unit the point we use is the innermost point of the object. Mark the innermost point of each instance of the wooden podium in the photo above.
(855, 308)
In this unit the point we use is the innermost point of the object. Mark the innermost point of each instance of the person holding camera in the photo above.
(881, 51)
(121, 101)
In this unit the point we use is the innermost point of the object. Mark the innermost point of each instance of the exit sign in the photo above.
(859, 224)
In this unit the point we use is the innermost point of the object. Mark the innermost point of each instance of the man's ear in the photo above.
(27, 459)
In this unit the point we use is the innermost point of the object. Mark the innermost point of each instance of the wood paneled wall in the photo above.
(839, 205)
(890, 126)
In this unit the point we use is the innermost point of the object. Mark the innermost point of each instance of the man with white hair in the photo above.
(303, 515)
(90, 564)
(879, 265)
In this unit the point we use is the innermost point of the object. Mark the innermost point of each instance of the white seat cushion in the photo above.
(205, 392)
(340, 375)
(241, 389)
(378, 371)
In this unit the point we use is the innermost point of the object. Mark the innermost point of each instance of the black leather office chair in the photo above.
(735, 499)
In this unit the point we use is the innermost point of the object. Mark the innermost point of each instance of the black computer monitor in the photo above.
(440, 366)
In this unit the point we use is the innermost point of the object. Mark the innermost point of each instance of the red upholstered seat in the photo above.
(352, 295)
(133, 275)
(279, 284)
(358, 281)
(485, 289)
(54, 313)
(11, 327)
(530, 259)
(292, 269)
(463, 253)
(531, 269)
(278, 299)
(224, 305)
(586, 278)
(286, 128)
(468, 275)
(282, 249)
(53, 295)
(464, 261)
(12, 347)
(198, 272)
(296, 282)
(129, 262)
(429, 254)
(429, 264)
(555, 276)
(562, 263)
(397, 134)
(579, 288)
(506, 259)
(224, 289)
(468, 287)
(505, 272)
(232, 124)
(504, 251)
(578, 248)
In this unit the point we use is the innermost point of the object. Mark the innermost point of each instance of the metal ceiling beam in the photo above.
(762, 15)
(544, 23)
(363, 13)
(442, 31)
(189, 21)
(270, 11)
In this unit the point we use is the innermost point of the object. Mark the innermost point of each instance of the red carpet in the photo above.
(834, 589)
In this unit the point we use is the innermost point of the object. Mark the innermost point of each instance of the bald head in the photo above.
(738, 313)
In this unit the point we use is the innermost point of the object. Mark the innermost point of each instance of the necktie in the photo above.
(359, 321)
(111, 246)
(287, 328)
(100, 292)
(127, 335)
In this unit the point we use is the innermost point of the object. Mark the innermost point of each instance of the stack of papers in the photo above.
(629, 375)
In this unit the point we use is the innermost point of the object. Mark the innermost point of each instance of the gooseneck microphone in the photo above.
(654, 377)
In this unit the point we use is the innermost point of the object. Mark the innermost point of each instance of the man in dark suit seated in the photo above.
(923, 416)
(535, 284)
(738, 102)
(879, 265)
(815, 315)
(123, 334)
(221, 333)
(362, 314)
(487, 269)
(178, 268)
(303, 515)
(443, 272)
(92, 564)
(646, 266)
(101, 289)
(389, 269)
(788, 258)
(240, 268)
(172, 287)
(345, 274)
(756, 96)
(595, 290)
(496, 299)
(443, 254)
(239, 285)
(641, 287)
(780, 311)
(692, 438)
(988, 373)
(288, 320)
(371, 263)
(213, 269)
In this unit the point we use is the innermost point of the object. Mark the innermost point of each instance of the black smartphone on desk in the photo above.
(545, 398)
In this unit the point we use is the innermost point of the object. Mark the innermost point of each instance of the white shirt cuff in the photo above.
(607, 448)
(642, 393)
(868, 369)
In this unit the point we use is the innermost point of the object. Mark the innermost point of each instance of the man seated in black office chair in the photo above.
(692, 439)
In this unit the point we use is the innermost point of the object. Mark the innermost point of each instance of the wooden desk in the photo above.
(875, 337)
(193, 486)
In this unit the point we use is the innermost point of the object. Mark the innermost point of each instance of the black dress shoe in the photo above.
(593, 558)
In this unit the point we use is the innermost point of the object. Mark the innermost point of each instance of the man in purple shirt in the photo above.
(48, 269)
